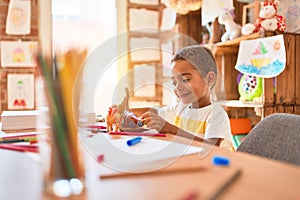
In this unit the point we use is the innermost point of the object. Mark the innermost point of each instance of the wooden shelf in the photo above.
(232, 46)
(236, 42)
(240, 104)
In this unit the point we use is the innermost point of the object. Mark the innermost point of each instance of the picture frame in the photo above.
(18, 53)
(20, 91)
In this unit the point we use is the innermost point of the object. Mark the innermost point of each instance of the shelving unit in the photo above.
(280, 94)
(150, 26)
(241, 104)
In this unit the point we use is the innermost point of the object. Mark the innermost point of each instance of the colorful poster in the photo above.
(263, 57)
(20, 91)
(18, 17)
(18, 54)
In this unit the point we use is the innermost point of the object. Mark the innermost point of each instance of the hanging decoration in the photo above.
(18, 53)
(263, 57)
(18, 17)
(21, 92)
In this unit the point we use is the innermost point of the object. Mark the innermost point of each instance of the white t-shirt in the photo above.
(210, 122)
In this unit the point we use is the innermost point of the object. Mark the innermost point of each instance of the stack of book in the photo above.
(19, 120)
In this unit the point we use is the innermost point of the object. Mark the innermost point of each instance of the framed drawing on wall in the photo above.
(18, 54)
(20, 91)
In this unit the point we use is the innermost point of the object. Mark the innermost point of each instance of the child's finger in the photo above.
(145, 115)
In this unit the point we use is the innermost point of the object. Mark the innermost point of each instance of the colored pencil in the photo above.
(18, 148)
(158, 172)
(139, 134)
(18, 140)
(96, 126)
(234, 176)
(59, 128)
(18, 136)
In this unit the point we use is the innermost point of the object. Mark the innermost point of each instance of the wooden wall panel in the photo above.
(226, 64)
(297, 71)
(231, 74)
(268, 96)
(268, 110)
(286, 80)
(190, 25)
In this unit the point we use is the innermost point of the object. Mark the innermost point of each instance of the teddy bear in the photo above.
(233, 30)
(268, 19)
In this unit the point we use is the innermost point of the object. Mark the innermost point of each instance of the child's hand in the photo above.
(153, 120)
(130, 120)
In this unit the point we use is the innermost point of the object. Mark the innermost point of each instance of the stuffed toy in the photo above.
(268, 19)
(233, 30)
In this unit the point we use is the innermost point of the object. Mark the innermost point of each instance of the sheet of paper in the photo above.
(18, 53)
(18, 17)
(263, 57)
(21, 91)
(150, 154)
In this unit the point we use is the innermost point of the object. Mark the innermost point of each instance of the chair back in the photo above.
(276, 137)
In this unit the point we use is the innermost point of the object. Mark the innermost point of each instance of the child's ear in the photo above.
(211, 78)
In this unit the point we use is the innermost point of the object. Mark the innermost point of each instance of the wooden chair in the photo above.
(276, 137)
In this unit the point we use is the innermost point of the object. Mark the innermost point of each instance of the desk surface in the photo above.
(21, 176)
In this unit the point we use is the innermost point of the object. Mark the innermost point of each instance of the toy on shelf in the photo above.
(120, 117)
(249, 87)
(233, 30)
(268, 19)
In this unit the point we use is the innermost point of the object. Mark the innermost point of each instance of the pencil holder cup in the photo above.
(64, 176)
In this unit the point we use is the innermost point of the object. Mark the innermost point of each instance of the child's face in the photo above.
(190, 86)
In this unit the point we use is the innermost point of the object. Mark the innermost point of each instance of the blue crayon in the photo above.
(134, 141)
(218, 160)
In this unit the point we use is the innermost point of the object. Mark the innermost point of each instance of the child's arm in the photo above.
(154, 121)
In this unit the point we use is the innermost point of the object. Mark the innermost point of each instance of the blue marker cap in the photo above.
(139, 123)
(218, 160)
(134, 141)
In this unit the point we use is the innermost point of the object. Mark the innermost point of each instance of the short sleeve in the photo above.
(168, 113)
(219, 126)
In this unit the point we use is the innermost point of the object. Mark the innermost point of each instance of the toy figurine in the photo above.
(233, 30)
(121, 117)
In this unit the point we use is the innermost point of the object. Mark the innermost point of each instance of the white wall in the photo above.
(87, 24)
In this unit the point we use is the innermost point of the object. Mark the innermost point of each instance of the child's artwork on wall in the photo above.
(18, 54)
(18, 17)
(263, 57)
(20, 91)
(290, 9)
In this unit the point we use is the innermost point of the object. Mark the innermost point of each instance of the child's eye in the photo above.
(174, 83)
(186, 80)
